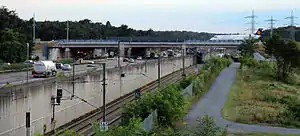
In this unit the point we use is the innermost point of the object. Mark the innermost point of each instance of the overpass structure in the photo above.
(69, 48)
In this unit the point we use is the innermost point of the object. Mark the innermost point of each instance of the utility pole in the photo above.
(292, 24)
(26, 96)
(104, 91)
(120, 67)
(53, 114)
(271, 20)
(253, 22)
(67, 30)
(158, 69)
(33, 28)
(183, 60)
(73, 83)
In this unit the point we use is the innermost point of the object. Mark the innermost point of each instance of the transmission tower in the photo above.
(253, 22)
(292, 25)
(272, 22)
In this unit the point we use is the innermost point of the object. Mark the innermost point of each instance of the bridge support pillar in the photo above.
(97, 52)
(122, 51)
(54, 54)
(129, 52)
(67, 53)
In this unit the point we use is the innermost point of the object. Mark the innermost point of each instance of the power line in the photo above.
(85, 101)
(253, 22)
(272, 22)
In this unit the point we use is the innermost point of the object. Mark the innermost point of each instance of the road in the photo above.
(20, 77)
(213, 102)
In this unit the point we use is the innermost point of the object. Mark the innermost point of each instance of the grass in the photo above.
(261, 134)
(256, 98)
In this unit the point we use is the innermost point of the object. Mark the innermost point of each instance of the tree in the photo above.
(12, 46)
(247, 47)
(287, 54)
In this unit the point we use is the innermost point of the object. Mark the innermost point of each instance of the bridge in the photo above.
(69, 48)
(143, 44)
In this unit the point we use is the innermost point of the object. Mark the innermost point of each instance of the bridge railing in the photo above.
(149, 42)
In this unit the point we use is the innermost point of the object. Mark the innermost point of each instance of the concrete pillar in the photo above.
(97, 52)
(54, 54)
(67, 53)
(122, 50)
(129, 53)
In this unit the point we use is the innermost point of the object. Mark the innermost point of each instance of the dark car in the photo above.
(59, 65)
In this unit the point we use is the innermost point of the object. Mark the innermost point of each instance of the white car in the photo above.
(139, 58)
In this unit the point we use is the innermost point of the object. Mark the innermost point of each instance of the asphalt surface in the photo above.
(20, 77)
(215, 99)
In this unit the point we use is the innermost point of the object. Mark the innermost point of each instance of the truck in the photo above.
(44, 69)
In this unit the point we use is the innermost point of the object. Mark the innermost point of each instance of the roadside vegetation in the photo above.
(267, 93)
(13, 66)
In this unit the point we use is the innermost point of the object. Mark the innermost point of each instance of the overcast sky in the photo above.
(192, 15)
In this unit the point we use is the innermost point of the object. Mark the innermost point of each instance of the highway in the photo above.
(20, 77)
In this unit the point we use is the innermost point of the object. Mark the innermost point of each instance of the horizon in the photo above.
(169, 15)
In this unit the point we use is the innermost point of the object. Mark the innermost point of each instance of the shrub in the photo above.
(15, 66)
(66, 61)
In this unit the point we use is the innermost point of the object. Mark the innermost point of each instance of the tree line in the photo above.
(16, 32)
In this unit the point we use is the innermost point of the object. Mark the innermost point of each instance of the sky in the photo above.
(218, 16)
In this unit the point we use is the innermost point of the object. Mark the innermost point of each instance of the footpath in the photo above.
(214, 100)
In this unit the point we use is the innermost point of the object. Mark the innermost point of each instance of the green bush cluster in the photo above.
(66, 61)
(14, 66)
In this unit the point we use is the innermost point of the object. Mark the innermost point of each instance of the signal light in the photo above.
(58, 95)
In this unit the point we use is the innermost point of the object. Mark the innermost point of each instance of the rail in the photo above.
(83, 125)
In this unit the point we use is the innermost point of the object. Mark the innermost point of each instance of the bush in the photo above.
(207, 127)
(14, 66)
(66, 61)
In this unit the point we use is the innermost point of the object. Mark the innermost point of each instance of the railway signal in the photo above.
(58, 96)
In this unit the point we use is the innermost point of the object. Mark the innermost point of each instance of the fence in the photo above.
(188, 91)
(148, 123)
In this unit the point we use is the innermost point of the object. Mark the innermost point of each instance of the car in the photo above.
(66, 67)
(139, 58)
(59, 65)
(28, 62)
(91, 62)
(91, 65)
(131, 60)
(125, 60)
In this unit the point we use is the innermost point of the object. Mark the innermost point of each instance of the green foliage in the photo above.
(287, 54)
(12, 37)
(14, 66)
(247, 47)
(66, 61)
(132, 129)
(206, 126)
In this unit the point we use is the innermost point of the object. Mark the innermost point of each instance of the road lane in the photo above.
(20, 77)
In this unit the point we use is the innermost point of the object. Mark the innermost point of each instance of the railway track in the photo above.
(83, 124)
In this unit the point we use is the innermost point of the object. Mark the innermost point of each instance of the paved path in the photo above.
(213, 102)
